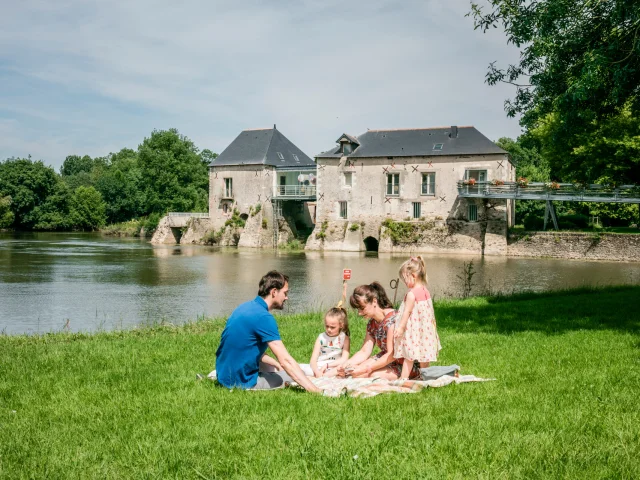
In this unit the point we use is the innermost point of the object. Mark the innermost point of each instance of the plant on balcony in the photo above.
(497, 182)
(552, 186)
(470, 181)
(522, 182)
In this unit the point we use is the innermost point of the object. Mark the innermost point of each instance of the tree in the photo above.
(74, 164)
(579, 63)
(121, 187)
(87, 209)
(28, 183)
(6, 215)
(175, 176)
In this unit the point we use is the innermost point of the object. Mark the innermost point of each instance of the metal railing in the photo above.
(295, 191)
(188, 214)
(550, 191)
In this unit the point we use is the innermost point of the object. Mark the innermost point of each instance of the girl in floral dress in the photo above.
(416, 337)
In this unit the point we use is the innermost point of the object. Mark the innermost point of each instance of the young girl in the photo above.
(332, 346)
(416, 338)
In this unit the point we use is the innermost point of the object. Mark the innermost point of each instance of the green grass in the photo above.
(126, 404)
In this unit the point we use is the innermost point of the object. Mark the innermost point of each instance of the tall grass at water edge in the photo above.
(126, 404)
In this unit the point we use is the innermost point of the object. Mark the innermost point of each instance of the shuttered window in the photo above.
(343, 209)
(473, 213)
(417, 210)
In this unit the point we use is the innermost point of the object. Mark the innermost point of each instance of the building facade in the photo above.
(411, 176)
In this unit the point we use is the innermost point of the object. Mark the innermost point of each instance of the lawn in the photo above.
(126, 404)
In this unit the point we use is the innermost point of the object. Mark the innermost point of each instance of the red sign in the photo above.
(346, 274)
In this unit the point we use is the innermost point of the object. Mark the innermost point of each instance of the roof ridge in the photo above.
(254, 129)
(408, 129)
(264, 158)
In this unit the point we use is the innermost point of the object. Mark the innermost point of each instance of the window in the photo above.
(228, 187)
(417, 211)
(438, 146)
(348, 179)
(477, 175)
(347, 148)
(429, 184)
(473, 213)
(343, 209)
(280, 156)
(225, 208)
(393, 184)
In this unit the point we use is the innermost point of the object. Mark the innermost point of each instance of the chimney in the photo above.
(454, 131)
(274, 126)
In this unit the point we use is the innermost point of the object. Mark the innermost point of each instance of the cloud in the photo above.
(97, 76)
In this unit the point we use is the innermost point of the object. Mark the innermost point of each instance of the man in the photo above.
(241, 359)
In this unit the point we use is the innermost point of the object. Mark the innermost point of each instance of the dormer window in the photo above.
(347, 144)
(347, 148)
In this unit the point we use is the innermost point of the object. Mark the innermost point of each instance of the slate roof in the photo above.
(419, 142)
(263, 147)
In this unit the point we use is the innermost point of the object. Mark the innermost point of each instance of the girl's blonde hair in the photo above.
(414, 267)
(341, 314)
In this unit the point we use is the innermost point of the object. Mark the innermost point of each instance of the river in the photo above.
(88, 282)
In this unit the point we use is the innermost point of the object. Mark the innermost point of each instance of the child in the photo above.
(332, 346)
(415, 337)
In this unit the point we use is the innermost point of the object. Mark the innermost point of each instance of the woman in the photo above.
(372, 302)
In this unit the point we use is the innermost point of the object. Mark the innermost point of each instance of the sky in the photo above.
(93, 77)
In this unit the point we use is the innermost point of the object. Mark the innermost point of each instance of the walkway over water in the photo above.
(565, 192)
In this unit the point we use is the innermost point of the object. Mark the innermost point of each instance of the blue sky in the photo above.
(92, 77)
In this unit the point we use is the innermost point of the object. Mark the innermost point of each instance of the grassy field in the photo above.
(126, 404)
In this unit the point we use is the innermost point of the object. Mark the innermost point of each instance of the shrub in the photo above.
(235, 220)
(253, 211)
(322, 234)
(264, 223)
(579, 220)
(354, 227)
(533, 222)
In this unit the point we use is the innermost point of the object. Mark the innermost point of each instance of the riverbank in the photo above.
(126, 404)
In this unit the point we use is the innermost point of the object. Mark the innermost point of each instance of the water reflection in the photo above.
(104, 283)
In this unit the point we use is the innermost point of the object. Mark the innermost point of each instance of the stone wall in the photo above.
(583, 246)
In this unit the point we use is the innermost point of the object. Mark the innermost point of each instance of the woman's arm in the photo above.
(362, 355)
(314, 359)
(409, 302)
(266, 359)
(380, 362)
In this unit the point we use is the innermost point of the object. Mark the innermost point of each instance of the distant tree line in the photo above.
(166, 173)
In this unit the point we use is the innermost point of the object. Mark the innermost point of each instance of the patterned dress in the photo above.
(420, 341)
(378, 332)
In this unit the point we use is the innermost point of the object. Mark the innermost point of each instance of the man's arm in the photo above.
(266, 359)
(291, 366)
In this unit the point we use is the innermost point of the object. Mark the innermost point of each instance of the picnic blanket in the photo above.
(370, 387)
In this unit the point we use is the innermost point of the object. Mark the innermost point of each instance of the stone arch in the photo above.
(371, 244)
(244, 217)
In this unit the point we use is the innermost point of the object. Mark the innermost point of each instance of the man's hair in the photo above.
(271, 280)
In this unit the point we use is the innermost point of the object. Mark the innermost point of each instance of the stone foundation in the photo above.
(582, 246)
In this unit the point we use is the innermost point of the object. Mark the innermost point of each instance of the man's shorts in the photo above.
(269, 381)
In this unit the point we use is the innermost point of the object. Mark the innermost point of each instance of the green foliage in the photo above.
(292, 245)
(151, 222)
(235, 220)
(175, 177)
(404, 232)
(264, 223)
(577, 80)
(6, 215)
(354, 227)
(322, 234)
(87, 210)
(28, 183)
(58, 394)
(255, 210)
(131, 228)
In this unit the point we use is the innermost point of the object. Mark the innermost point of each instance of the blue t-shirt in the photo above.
(244, 341)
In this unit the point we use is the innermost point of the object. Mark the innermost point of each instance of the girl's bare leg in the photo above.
(424, 364)
(407, 366)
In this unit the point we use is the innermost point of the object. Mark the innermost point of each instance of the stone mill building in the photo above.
(398, 190)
